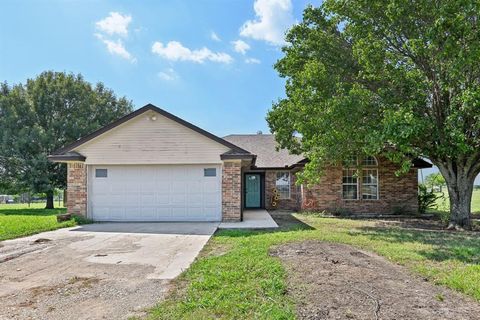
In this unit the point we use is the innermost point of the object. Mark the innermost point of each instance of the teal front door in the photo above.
(252, 191)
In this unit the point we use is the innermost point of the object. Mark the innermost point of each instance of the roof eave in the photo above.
(66, 158)
(230, 156)
(138, 112)
(419, 163)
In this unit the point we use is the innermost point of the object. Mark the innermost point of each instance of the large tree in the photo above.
(399, 78)
(46, 113)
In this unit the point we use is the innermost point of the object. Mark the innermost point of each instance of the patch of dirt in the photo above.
(41, 240)
(54, 281)
(334, 281)
(215, 250)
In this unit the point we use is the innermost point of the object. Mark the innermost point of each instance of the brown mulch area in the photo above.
(334, 281)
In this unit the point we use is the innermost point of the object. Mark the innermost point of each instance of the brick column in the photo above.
(232, 190)
(77, 188)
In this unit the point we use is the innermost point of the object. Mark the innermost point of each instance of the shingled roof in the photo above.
(264, 146)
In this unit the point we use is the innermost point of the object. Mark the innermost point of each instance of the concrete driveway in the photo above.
(97, 271)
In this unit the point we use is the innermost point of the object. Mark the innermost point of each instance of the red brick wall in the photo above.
(290, 204)
(396, 194)
(232, 191)
(77, 188)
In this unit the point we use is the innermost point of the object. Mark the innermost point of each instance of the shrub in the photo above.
(341, 212)
(426, 199)
(81, 220)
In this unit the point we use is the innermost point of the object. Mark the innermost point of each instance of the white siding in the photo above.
(144, 141)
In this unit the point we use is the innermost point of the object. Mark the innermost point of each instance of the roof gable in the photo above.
(138, 112)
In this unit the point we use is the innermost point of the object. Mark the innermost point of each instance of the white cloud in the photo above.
(168, 75)
(175, 51)
(240, 46)
(115, 23)
(273, 18)
(116, 48)
(215, 37)
(252, 61)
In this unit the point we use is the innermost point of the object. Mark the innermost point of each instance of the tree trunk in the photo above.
(460, 181)
(49, 200)
(65, 197)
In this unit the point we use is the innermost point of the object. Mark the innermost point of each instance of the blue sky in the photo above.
(207, 61)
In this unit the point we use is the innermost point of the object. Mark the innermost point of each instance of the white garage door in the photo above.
(155, 193)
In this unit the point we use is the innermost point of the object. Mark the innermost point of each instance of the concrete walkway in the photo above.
(252, 219)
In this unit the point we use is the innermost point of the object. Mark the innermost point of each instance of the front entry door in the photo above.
(252, 191)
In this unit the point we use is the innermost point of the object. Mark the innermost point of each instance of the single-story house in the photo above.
(153, 166)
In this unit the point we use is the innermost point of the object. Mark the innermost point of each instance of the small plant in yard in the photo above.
(341, 212)
(81, 219)
(427, 199)
(399, 210)
(440, 297)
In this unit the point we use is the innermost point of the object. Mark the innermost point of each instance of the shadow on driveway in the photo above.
(181, 228)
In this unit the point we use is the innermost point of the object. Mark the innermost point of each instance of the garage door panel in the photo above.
(131, 188)
(179, 199)
(147, 200)
(211, 186)
(155, 193)
(164, 213)
(178, 187)
(162, 186)
(194, 186)
(180, 212)
(178, 173)
(148, 213)
(116, 213)
(163, 199)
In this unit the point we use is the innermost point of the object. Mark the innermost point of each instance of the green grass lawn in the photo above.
(19, 220)
(236, 278)
(443, 204)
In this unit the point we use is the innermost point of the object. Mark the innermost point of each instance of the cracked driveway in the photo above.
(97, 271)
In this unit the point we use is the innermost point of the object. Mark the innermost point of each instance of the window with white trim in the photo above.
(350, 184)
(282, 184)
(209, 172)
(369, 161)
(370, 184)
(101, 173)
(360, 183)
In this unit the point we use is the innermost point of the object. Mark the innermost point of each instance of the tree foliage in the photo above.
(397, 78)
(435, 180)
(44, 114)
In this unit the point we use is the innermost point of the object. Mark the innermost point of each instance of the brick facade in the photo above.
(232, 190)
(77, 188)
(396, 194)
(289, 204)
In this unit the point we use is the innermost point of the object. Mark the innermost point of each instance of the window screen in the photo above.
(370, 184)
(369, 161)
(210, 172)
(101, 173)
(283, 185)
(349, 184)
